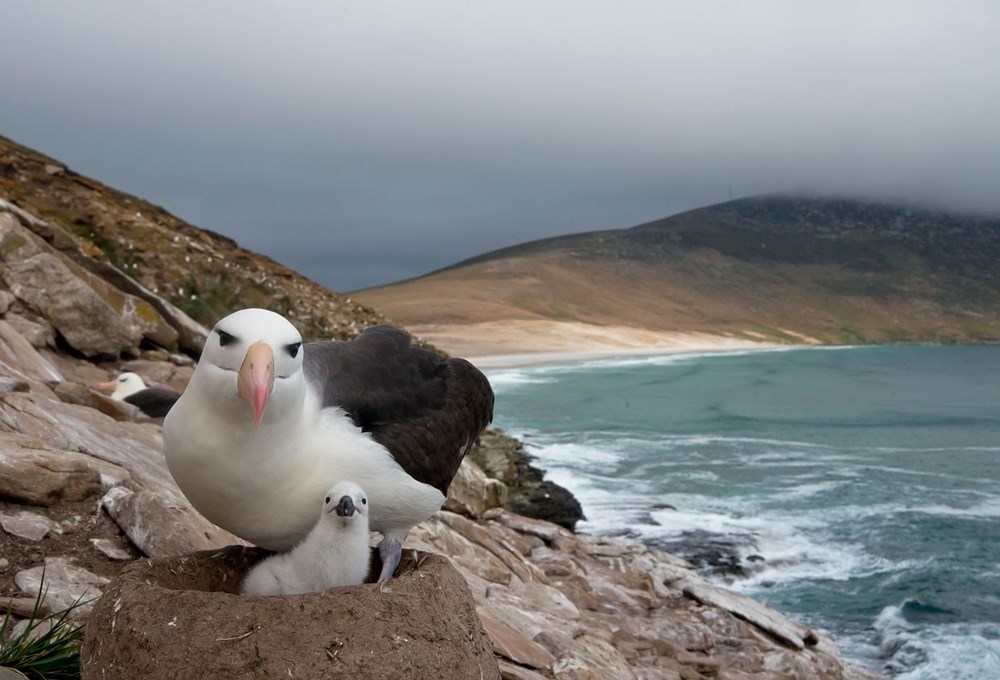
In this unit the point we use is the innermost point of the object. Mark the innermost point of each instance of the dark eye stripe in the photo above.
(293, 349)
(225, 338)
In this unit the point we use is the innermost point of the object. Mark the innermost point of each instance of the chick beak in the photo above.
(256, 379)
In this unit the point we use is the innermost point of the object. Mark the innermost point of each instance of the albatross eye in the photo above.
(225, 338)
(364, 501)
(327, 499)
(293, 349)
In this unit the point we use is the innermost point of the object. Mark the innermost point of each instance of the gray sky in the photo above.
(367, 142)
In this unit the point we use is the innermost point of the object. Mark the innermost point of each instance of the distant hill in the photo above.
(770, 267)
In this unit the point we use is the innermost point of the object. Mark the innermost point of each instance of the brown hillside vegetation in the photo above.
(203, 273)
(772, 268)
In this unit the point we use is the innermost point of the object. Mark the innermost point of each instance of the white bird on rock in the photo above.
(267, 425)
(129, 387)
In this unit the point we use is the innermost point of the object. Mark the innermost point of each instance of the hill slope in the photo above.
(203, 273)
(772, 267)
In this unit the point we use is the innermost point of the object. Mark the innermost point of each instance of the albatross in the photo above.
(268, 424)
(129, 387)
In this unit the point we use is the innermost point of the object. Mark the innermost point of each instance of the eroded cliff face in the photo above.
(84, 491)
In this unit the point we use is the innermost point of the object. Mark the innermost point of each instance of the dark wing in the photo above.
(425, 409)
(155, 402)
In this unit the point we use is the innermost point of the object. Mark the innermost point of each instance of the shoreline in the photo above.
(521, 343)
(536, 359)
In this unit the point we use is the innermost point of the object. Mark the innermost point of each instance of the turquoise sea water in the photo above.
(868, 480)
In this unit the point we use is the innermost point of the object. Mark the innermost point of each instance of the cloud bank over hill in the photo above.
(363, 143)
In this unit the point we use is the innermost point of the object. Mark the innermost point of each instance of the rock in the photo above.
(506, 553)
(75, 393)
(38, 332)
(569, 667)
(20, 606)
(4, 563)
(600, 654)
(14, 385)
(37, 629)
(22, 358)
(154, 523)
(529, 494)
(94, 317)
(26, 524)
(182, 618)
(757, 613)
(160, 373)
(65, 584)
(512, 671)
(11, 674)
(44, 477)
(700, 662)
(472, 493)
(110, 549)
(547, 531)
(512, 645)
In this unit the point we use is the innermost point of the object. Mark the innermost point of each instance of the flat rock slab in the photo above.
(764, 617)
(63, 583)
(26, 524)
(182, 617)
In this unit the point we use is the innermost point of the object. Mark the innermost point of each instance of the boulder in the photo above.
(94, 317)
(20, 357)
(182, 617)
(472, 493)
(44, 477)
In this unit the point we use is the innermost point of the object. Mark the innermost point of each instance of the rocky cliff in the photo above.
(84, 491)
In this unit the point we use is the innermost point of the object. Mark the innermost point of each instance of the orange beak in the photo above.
(256, 379)
(108, 386)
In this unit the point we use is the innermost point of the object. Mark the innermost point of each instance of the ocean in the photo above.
(855, 489)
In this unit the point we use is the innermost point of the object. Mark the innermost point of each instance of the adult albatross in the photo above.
(267, 425)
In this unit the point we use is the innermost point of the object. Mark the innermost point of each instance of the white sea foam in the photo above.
(988, 508)
(506, 380)
(957, 651)
(674, 358)
(597, 459)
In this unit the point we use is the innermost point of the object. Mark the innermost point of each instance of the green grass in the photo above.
(50, 655)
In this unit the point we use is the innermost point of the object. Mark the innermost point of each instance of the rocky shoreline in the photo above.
(84, 492)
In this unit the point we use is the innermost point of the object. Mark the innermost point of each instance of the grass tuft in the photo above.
(40, 654)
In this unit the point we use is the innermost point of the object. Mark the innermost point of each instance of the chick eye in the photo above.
(293, 349)
(327, 499)
(225, 338)
(364, 501)
(122, 379)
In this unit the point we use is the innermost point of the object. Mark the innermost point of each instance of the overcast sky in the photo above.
(365, 142)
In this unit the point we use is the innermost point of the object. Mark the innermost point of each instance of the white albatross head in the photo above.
(345, 501)
(124, 385)
(253, 355)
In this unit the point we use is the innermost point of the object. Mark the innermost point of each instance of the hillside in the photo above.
(776, 268)
(202, 273)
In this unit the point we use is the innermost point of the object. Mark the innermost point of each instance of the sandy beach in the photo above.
(512, 343)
